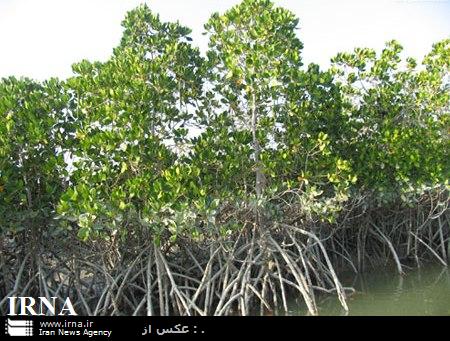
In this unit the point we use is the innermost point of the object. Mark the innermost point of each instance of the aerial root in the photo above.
(255, 271)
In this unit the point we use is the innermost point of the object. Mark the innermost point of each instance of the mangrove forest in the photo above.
(171, 181)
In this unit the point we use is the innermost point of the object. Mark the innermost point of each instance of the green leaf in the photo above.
(83, 233)
(123, 167)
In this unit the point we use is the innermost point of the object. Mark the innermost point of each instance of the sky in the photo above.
(43, 38)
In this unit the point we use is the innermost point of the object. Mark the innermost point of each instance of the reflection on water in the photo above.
(383, 292)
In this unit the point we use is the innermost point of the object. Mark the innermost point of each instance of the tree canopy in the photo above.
(161, 138)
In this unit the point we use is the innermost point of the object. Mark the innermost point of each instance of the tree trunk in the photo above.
(260, 179)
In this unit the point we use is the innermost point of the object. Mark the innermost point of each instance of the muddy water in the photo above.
(423, 291)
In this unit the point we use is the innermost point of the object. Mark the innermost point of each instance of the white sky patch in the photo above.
(43, 38)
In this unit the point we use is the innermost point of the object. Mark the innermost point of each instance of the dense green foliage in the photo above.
(124, 110)
(397, 117)
(160, 138)
(32, 168)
